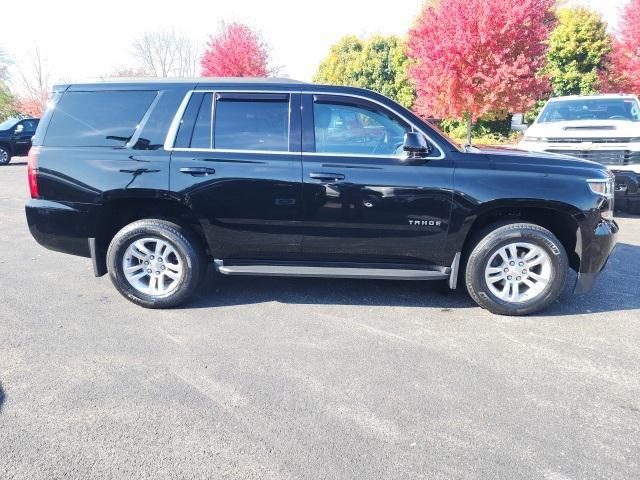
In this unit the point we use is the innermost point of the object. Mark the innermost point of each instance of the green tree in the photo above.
(578, 50)
(377, 63)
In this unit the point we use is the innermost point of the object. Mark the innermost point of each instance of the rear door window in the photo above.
(97, 119)
(252, 122)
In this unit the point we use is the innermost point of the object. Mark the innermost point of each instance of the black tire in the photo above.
(186, 246)
(5, 155)
(495, 237)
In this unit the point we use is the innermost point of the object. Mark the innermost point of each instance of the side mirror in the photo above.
(19, 129)
(415, 145)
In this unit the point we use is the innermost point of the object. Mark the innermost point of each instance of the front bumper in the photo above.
(622, 159)
(61, 227)
(626, 155)
(597, 246)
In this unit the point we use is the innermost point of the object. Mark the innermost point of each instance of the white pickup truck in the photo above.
(601, 128)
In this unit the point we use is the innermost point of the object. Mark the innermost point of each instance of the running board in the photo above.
(337, 270)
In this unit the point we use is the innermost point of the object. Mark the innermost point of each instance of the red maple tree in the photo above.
(31, 107)
(236, 51)
(624, 61)
(473, 57)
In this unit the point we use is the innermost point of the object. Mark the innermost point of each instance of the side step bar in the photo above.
(338, 270)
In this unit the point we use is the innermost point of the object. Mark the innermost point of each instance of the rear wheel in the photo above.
(5, 156)
(155, 263)
(516, 269)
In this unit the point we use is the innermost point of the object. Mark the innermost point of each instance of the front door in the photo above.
(364, 199)
(236, 163)
(22, 136)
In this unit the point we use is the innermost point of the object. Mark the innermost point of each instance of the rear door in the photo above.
(236, 162)
(364, 199)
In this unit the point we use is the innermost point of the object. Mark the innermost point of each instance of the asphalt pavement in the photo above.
(272, 378)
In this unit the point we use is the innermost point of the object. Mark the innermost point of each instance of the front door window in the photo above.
(356, 130)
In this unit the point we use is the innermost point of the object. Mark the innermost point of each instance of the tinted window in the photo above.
(185, 129)
(97, 119)
(355, 129)
(252, 124)
(29, 125)
(201, 137)
(8, 123)
(156, 126)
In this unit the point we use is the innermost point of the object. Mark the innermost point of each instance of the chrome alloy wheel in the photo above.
(518, 272)
(152, 266)
(4, 156)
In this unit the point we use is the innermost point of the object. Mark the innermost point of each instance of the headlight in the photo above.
(536, 139)
(602, 187)
(606, 189)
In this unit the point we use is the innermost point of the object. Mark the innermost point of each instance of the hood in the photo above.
(515, 152)
(585, 129)
(542, 162)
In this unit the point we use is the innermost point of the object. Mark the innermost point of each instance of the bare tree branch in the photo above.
(4, 65)
(35, 77)
(166, 54)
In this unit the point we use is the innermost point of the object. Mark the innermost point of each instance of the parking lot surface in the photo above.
(273, 378)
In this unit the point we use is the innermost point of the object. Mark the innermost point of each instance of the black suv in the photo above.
(15, 137)
(154, 180)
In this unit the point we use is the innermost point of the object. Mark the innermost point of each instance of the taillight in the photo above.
(32, 171)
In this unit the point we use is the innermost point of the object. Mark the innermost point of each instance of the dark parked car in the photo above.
(154, 180)
(15, 137)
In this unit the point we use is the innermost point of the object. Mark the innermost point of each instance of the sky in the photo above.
(86, 39)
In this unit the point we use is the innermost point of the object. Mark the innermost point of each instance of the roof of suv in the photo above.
(212, 82)
(197, 80)
(215, 82)
(251, 80)
(602, 96)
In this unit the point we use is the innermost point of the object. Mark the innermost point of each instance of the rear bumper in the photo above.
(597, 248)
(61, 227)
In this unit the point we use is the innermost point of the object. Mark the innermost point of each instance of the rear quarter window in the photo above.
(97, 119)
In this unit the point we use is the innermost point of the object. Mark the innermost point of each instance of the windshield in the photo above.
(8, 123)
(591, 109)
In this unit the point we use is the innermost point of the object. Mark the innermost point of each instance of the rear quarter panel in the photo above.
(95, 175)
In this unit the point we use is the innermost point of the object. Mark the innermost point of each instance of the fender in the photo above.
(465, 221)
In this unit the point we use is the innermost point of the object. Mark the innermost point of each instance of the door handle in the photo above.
(326, 176)
(198, 171)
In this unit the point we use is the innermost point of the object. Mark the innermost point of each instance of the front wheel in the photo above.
(155, 263)
(516, 269)
(5, 156)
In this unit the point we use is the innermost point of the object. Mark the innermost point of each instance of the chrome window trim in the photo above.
(143, 122)
(226, 150)
(358, 155)
(177, 119)
(172, 133)
(396, 113)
